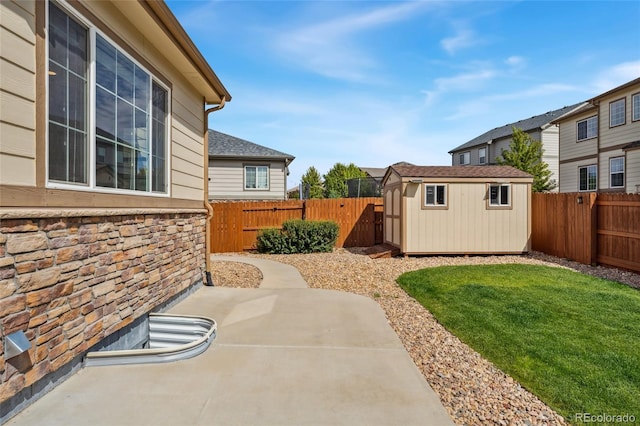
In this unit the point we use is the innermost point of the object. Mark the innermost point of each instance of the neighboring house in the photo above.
(243, 170)
(457, 209)
(600, 143)
(484, 149)
(103, 196)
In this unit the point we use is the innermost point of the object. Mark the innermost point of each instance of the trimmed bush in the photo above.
(299, 236)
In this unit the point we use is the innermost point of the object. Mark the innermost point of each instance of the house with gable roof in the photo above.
(484, 149)
(243, 170)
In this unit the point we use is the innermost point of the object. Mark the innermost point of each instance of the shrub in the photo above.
(299, 236)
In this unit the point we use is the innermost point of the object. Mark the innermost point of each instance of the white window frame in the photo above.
(588, 168)
(436, 188)
(500, 202)
(618, 171)
(621, 119)
(635, 107)
(591, 124)
(464, 158)
(90, 107)
(256, 167)
(482, 155)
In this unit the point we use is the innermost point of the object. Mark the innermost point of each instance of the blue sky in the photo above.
(377, 82)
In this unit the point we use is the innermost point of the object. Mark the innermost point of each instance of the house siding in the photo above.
(226, 180)
(551, 150)
(17, 93)
(609, 144)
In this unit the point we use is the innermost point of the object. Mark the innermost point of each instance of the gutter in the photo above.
(207, 243)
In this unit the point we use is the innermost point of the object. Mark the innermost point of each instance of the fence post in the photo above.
(593, 227)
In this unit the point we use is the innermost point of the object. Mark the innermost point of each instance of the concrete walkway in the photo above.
(283, 356)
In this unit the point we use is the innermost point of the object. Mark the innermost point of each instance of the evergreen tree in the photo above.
(312, 184)
(335, 181)
(525, 153)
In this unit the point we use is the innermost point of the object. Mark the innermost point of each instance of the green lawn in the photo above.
(571, 339)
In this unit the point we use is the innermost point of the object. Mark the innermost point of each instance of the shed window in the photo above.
(588, 128)
(588, 178)
(256, 177)
(499, 195)
(128, 107)
(617, 112)
(435, 195)
(616, 171)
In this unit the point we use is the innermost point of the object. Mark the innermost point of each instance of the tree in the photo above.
(525, 153)
(312, 184)
(335, 181)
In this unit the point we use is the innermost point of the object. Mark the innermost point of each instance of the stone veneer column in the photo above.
(70, 281)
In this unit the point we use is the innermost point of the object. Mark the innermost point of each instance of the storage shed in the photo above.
(457, 209)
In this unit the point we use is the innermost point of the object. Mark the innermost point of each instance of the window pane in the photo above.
(583, 178)
(77, 96)
(159, 137)
(430, 194)
(105, 64)
(57, 35)
(124, 77)
(57, 94)
(582, 130)
(636, 106)
(141, 135)
(159, 184)
(77, 157)
(617, 165)
(142, 171)
(141, 89)
(125, 167)
(105, 114)
(250, 177)
(125, 122)
(504, 195)
(105, 164)
(77, 48)
(440, 195)
(262, 178)
(493, 195)
(57, 152)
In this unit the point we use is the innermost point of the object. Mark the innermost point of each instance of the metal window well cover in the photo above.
(171, 338)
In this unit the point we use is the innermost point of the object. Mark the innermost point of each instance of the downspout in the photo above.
(207, 244)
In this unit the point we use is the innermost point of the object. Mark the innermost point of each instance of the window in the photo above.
(588, 128)
(256, 177)
(635, 106)
(616, 172)
(435, 195)
(465, 158)
(128, 106)
(588, 178)
(616, 112)
(499, 195)
(482, 155)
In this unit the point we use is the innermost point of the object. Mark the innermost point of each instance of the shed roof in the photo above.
(459, 172)
(227, 146)
(536, 122)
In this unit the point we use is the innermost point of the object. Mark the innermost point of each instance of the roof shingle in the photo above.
(223, 145)
(460, 172)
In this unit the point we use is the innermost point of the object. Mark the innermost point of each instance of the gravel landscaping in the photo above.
(472, 390)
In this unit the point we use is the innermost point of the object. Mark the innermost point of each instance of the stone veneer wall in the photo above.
(69, 282)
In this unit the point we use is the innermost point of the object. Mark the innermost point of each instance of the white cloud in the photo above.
(516, 62)
(328, 48)
(615, 76)
(464, 39)
(461, 82)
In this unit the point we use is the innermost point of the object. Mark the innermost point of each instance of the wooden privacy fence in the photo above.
(235, 225)
(588, 227)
